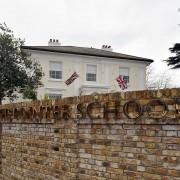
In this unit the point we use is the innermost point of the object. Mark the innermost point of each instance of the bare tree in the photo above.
(158, 80)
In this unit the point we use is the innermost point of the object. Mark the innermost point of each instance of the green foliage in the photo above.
(174, 61)
(18, 72)
(46, 96)
(29, 93)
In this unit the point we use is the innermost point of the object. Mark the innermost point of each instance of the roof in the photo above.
(86, 51)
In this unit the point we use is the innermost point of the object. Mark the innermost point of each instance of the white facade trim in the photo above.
(88, 89)
(142, 82)
(91, 58)
(59, 80)
(76, 82)
(53, 90)
(106, 74)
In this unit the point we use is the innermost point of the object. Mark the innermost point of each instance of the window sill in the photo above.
(91, 82)
(55, 80)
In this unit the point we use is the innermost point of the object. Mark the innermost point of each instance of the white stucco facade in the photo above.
(104, 67)
(107, 72)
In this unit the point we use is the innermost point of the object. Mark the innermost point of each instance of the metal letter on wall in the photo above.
(156, 114)
(130, 114)
(95, 108)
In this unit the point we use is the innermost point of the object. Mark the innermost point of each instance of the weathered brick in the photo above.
(171, 152)
(115, 171)
(131, 161)
(171, 140)
(171, 127)
(132, 174)
(151, 139)
(141, 168)
(152, 176)
(113, 148)
(173, 173)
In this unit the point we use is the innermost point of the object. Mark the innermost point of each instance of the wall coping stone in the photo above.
(53, 110)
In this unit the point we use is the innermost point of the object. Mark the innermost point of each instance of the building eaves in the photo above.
(86, 51)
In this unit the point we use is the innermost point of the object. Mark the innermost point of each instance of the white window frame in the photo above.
(55, 91)
(54, 79)
(91, 82)
(123, 67)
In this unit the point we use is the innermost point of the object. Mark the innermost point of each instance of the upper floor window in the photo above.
(91, 72)
(125, 73)
(55, 71)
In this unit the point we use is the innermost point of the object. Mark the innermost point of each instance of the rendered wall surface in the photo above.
(71, 63)
(77, 139)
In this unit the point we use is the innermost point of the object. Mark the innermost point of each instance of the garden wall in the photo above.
(123, 136)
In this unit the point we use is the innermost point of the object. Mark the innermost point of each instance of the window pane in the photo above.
(55, 66)
(90, 77)
(58, 73)
(126, 78)
(92, 69)
(125, 73)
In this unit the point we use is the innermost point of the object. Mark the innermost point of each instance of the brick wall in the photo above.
(101, 137)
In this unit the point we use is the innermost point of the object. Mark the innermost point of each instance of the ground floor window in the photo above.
(55, 96)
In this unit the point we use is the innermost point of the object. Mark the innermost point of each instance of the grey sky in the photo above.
(145, 28)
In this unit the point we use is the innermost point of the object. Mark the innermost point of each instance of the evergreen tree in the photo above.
(174, 61)
(19, 74)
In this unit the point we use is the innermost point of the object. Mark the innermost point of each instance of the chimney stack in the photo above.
(106, 48)
(54, 42)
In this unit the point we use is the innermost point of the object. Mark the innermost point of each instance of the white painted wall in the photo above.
(108, 71)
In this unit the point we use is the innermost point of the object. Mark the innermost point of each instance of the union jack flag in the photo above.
(72, 78)
(122, 83)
